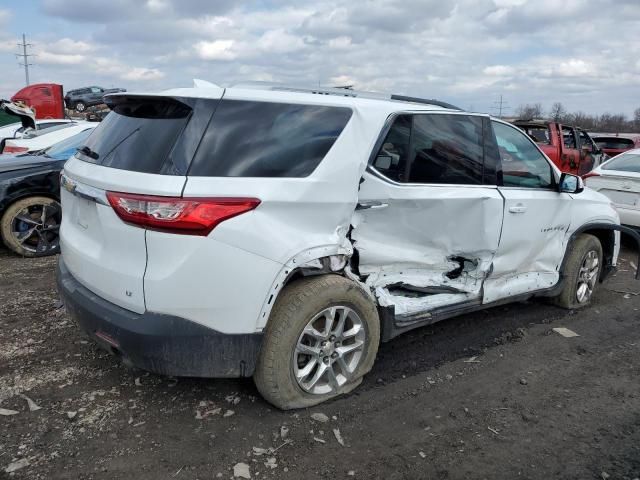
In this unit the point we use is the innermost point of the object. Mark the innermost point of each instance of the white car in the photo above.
(15, 130)
(46, 139)
(619, 179)
(282, 233)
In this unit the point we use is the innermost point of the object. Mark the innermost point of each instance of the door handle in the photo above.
(371, 204)
(519, 208)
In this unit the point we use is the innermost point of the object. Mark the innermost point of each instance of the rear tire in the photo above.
(30, 227)
(80, 107)
(582, 272)
(345, 354)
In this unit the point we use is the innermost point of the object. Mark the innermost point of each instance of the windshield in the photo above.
(627, 162)
(66, 148)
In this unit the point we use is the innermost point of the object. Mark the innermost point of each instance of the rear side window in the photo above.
(138, 134)
(628, 162)
(263, 139)
(438, 148)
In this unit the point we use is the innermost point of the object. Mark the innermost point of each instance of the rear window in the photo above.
(628, 162)
(263, 139)
(614, 143)
(138, 134)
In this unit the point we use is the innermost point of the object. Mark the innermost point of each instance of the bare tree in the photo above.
(636, 119)
(557, 112)
(528, 111)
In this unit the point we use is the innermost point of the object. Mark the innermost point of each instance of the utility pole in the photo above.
(500, 106)
(25, 57)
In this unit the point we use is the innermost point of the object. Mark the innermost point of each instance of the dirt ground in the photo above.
(491, 395)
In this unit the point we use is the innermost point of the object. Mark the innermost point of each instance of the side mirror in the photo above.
(570, 183)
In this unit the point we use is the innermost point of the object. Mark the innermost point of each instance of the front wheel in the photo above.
(30, 226)
(80, 107)
(322, 338)
(582, 271)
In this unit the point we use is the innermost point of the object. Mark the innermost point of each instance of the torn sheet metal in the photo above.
(421, 252)
(25, 114)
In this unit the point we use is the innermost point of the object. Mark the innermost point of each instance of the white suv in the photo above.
(282, 233)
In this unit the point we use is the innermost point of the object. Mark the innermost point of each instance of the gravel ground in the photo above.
(496, 394)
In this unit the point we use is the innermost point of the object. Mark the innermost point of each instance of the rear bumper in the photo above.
(158, 343)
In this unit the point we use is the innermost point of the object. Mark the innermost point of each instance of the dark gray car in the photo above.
(81, 98)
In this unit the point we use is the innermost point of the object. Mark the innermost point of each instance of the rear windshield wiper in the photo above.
(88, 152)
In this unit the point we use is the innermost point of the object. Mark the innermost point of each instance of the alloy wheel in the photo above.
(36, 228)
(587, 276)
(329, 350)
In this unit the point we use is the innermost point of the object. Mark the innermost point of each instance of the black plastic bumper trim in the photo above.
(163, 344)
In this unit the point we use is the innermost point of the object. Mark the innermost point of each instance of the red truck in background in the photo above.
(45, 98)
(570, 148)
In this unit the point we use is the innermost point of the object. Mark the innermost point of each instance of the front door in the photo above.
(536, 219)
(590, 155)
(427, 224)
(570, 157)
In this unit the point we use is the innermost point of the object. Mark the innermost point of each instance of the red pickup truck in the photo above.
(570, 148)
(44, 98)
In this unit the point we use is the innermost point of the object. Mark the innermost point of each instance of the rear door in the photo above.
(96, 95)
(536, 219)
(143, 146)
(429, 214)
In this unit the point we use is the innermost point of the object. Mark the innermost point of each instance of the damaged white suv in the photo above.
(282, 233)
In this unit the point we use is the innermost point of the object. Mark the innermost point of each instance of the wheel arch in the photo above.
(322, 260)
(9, 201)
(608, 235)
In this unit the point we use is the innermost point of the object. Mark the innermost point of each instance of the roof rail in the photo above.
(432, 101)
(342, 92)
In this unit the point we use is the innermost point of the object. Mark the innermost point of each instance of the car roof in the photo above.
(263, 91)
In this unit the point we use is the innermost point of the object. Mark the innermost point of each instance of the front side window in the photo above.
(569, 138)
(433, 148)
(523, 165)
(585, 141)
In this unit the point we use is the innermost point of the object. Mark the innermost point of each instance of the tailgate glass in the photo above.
(138, 135)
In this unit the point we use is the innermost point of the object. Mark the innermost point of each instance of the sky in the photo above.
(583, 53)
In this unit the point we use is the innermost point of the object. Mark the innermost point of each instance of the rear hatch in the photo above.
(141, 147)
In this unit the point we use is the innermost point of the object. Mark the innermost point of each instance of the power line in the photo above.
(25, 57)
(500, 106)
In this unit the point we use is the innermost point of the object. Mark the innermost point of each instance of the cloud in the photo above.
(498, 70)
(101, 11)
(216, 50)
(142, 74)
(465, 51)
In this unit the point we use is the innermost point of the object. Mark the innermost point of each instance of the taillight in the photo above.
(11, 149)
(192, 216)
(589, 175)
